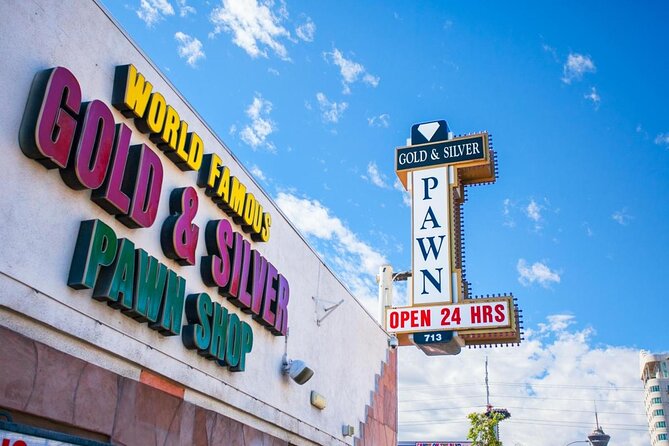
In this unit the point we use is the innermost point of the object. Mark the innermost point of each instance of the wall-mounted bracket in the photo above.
(324, 308)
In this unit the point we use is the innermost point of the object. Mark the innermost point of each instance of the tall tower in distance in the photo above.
(490, 410)
(655, 377)
(598, 437)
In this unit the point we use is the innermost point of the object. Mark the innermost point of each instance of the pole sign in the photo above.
(435, 168)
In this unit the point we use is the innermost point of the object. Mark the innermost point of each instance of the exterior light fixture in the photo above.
(297, 370)
(347, 430)
(318, 400)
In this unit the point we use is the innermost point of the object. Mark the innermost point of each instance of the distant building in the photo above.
(598, 437)
(655, 377)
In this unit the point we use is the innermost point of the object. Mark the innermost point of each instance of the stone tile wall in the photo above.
(380, 427)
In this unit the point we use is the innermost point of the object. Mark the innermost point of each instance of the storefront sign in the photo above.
(466, 443)
(13, 439)
(434, 443)
(23, 435)
(94, 152)
(442, 152)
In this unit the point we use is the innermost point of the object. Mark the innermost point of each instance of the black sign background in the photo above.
(439, 153)
(433, 337)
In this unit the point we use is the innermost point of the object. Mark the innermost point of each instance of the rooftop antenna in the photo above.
(489, 409)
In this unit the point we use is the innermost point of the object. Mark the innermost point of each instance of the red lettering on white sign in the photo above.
(474, 315)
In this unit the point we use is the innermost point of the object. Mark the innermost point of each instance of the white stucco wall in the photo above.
(41, 217)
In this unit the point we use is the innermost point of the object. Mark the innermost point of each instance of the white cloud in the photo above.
(640, 130)
(306, 31)
(537, 272)
(255, 134)
(185, 8)
(382, 120)
(350, 71)
(508, 206)
(406, 197)
(254, 26)
(259, 174)
(576, 66)
(557, 323)
(153, 11)
(662, 139)
(552, 51)
(533, 211)
(330, 111)
(594, 97)
(354, 261)
(548, 383)
(588, 230)
(371, 80)
(374, 176)
(189, 48)
(622, 217)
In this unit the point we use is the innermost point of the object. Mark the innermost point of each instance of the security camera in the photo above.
(297, 370)
(393, 342)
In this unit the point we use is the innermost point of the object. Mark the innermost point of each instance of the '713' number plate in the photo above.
(432, 337)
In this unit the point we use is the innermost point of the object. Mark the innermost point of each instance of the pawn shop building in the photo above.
(151, 292)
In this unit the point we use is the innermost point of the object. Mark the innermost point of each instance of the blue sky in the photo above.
(313, 97)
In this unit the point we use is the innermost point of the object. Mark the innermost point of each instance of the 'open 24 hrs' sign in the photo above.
(472, 315)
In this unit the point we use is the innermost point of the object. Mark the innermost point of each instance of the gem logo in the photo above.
(429, 132)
